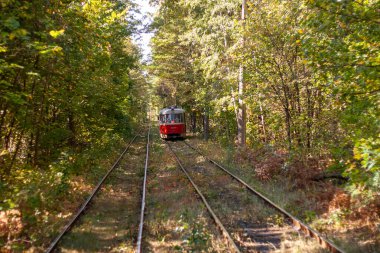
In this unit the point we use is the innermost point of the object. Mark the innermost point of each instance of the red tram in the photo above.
(172, 122)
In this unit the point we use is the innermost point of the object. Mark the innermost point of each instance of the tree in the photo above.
(69, 83)
(340, 41)
(200, 36)
(241, 117)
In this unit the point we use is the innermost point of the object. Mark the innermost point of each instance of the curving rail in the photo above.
(299, 225)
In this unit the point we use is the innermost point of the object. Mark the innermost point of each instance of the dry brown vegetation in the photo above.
(351, 222)
(10, 223)
(253, 225)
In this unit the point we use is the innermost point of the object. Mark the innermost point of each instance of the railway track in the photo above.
(127, 192)
(229, 199)
(175, 220)
(232, 246)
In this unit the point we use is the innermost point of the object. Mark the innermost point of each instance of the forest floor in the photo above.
(324, 205)
(253, 226)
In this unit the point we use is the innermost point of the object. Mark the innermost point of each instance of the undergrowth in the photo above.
(293, 182)
(36, 202)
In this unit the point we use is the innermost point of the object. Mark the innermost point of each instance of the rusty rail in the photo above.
(139, 237)
(299, 225)
(224, 231)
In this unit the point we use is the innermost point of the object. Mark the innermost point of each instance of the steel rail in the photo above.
(231, 242)
(299, 225)
(67, 228)
(139, 237)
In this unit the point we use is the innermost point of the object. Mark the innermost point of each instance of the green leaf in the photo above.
(14, 98)
(11, 23)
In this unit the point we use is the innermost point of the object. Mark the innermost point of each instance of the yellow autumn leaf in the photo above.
(55, 34)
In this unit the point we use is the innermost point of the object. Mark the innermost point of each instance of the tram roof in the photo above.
(172, 110)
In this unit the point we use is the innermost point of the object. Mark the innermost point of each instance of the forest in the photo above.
(301, 77)
(297, 79)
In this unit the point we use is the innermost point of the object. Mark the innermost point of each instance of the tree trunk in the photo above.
(2, 120)
(262, 122)
(298, 126)
(228, 128)
(241, 122)
(309, 119)
(7, 138)
(206, 124)
(288, 127)
(193, 121)
(18, 145)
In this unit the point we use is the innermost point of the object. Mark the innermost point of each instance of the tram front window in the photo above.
(162, 118)
(172, 118)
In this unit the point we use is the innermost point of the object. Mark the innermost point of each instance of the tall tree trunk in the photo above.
(262, 120)
(298, 125)
(15, 153)
(310, 114)
(29, 156)
(36, 146)
(241, 122)
(228, 133)
(288, 127)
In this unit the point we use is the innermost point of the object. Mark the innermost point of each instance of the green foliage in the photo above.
(70, 86)
(191, 63)
(310, 216)
(340, 42)
(197, 237)
(337, 217)
(311, 70)
(66, 81)
(364, 171)
(279, 220)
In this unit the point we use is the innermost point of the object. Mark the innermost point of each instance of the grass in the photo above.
(308, 203)
(176, 220)
(110, 223)
(279, 190)
(47, 198)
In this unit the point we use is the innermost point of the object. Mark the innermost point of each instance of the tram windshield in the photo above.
(172, 118)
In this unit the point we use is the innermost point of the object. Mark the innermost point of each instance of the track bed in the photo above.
(253, 225)
(176, 221)
(110, 222)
